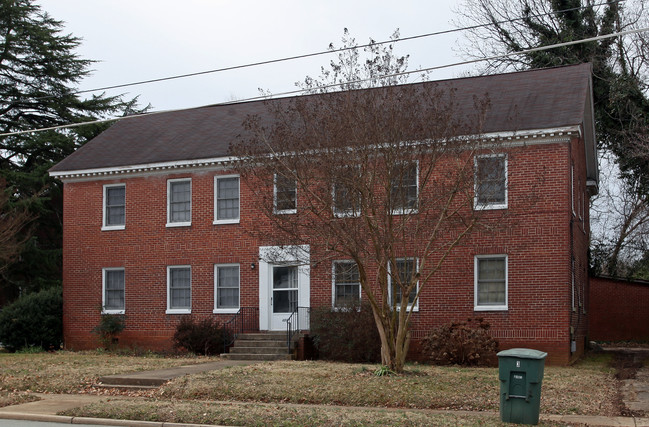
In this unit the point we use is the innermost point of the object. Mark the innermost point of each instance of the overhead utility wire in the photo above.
(322, 52)
(294, 92)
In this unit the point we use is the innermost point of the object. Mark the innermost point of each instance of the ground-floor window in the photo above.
(490, 282)
(226, 288)
(346, 284)
(113, 291)
(179, 289)
(405, 269)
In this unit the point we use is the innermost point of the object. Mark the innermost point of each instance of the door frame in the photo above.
(269, 256)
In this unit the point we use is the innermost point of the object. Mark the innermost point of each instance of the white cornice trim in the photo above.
(512, 138)
(164, 167)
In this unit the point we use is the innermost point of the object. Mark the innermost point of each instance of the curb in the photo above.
(62, 419)
(590, 420)
(25, 416)
(594, 420)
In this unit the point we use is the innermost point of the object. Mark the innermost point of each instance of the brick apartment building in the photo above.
(157, 225)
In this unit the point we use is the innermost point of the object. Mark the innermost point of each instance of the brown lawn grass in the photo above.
(74, 372)
(273, 414)
(587, 388)
(8, 398)
(283, 393)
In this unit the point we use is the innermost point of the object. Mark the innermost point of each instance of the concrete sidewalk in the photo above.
(153, 379)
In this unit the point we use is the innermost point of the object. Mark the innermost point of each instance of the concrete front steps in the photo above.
(259, 346)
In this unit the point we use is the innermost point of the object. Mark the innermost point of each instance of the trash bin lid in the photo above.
(523, 353)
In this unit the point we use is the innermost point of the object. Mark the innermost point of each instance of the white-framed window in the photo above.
(406, 268)
(112, 291)
(573, 288)
(490, 181)
(346, 286)
(179, 202)
(404, 188)
(284, 194)
(346, 199)
(226, 199)
(226, 288)
(580, 195)
(572, 187)
(491, 287)
(114, 207)
(179, 289)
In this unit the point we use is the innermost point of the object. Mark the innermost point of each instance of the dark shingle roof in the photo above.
(535, 99)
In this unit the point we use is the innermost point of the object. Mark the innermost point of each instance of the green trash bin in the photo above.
(520, 371)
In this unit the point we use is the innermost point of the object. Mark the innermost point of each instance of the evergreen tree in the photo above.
(39, 72)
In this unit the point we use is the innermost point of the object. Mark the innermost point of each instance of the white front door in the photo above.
(284, 294)
(283, 285)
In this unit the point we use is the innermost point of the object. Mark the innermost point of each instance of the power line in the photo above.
(298, 91)
(323, 52)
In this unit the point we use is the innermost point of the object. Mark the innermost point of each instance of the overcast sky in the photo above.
(135, 40)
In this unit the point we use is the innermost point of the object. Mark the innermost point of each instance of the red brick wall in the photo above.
(619, 310)
(579, 230)
(535, 233)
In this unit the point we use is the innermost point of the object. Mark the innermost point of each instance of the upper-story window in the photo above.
(490, 282)
(114, 207)
(346, 284)
(406, 268)
(404, 188)
(285, 194)
(226, 199)
(572, 187)
(346, 198)
(179, 202)
(491, 181)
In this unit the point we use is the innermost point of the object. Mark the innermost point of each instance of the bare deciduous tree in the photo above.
(620, 85)
(12, 223)
(379, 177)
(619, 221)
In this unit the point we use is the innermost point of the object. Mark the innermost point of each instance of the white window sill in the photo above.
(179, 224)
(112, 311)
(345, 309)
(405, 212)
(179, 311)
(112, 227)
(347, 214)
(490, 207)
(226, 221)
(490, 308)
(225, 310)
(285, 212)
(414, 309)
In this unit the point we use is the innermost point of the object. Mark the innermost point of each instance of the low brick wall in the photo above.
(619, 310)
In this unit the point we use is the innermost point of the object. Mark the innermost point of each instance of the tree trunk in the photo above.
(394, 344)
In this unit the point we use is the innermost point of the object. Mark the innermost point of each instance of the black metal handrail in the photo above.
(245, 320)
(296, 322)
